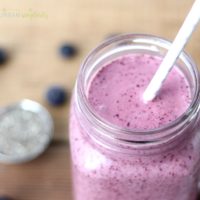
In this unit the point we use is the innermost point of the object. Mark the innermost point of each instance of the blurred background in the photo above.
(32, 33)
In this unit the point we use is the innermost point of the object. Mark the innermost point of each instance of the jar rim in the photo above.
(126, 133)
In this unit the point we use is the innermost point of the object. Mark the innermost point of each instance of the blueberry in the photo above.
(56, 95)
(68, 50)
(5, 198)
(3, 56)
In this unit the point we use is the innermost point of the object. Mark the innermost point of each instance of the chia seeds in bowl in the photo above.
(26, 130)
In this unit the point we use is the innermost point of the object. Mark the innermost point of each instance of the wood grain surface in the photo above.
(32, 31)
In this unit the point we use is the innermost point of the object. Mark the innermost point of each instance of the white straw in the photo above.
(177, 46)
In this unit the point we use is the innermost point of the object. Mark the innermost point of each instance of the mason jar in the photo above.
(115, 163)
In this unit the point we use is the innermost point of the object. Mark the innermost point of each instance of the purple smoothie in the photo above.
(115, 94)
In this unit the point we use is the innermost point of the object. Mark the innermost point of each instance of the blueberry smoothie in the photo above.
(115, 95)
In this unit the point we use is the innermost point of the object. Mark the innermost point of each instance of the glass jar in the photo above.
(112, 163)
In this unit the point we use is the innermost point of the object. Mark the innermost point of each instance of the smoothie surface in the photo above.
(115, 93)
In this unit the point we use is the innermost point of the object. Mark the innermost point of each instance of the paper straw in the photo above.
(176, 48)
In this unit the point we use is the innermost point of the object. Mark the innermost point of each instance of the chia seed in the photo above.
(24, 133)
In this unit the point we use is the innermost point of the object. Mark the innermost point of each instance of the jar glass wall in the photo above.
(115, 163)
